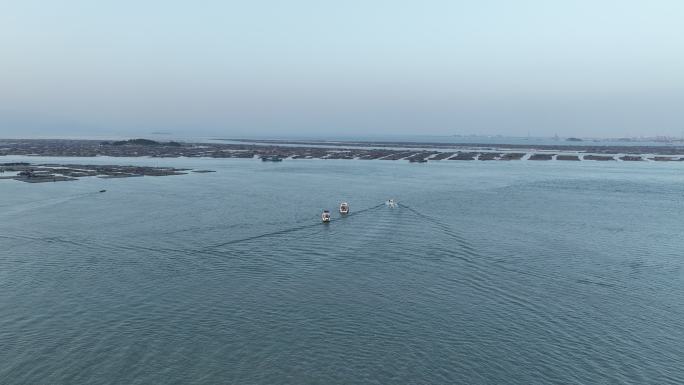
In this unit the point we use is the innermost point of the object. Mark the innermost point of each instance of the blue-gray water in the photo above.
(488, 272)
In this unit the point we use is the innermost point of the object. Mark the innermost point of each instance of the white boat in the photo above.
(344, 208)
(325, 217)
(391, 203)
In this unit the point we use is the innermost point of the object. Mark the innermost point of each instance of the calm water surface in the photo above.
(487, 272)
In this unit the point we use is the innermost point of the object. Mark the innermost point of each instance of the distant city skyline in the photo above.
(322, 68)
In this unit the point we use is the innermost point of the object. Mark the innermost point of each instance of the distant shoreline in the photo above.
(277, 150)
(567, 145)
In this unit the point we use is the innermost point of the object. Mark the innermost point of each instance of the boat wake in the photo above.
(286, 231)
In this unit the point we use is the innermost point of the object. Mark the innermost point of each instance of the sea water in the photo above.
(486, 272)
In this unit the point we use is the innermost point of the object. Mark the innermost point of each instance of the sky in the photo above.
(318, 67)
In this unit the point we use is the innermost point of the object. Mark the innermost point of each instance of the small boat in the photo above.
(391, 203)
(103, 191)
(325, 217)
(417, 160)
(344, 208)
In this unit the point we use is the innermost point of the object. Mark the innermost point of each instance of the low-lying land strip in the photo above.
(41, 173)
(278, 150)
(583, 147)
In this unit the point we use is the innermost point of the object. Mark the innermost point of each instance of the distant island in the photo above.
(140, 142)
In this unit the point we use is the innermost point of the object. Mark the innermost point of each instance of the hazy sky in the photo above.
(266, 67)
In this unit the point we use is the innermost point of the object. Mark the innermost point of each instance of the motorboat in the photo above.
(325, 217)
(103, 191)
(344, 208)
(391, 203)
